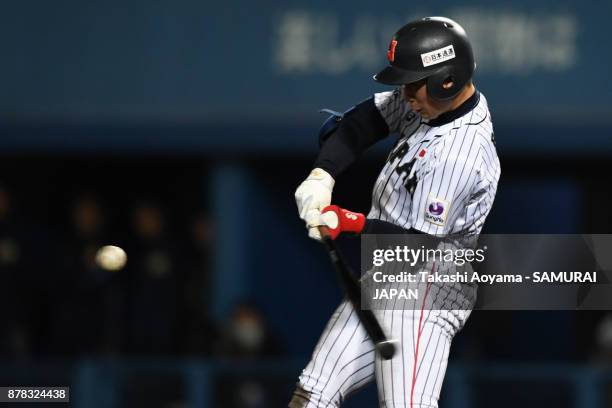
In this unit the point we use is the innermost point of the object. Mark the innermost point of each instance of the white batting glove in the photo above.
(312, 196)
(315, 192)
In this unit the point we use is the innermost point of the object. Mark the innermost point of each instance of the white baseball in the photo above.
(111, 258)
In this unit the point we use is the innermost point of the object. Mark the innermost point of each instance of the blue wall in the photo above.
(201, 63)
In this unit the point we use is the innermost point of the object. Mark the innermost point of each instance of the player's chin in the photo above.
(429, 115)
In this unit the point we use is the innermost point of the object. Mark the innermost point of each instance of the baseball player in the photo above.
(439, 179)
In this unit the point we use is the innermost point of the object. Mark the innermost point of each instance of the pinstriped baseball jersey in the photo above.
(439, 178)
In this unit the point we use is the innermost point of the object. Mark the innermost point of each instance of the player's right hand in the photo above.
(314, 193)
(336, 219)
(339, 220)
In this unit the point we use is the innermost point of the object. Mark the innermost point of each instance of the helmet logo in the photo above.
(391, 52)
(438, 56)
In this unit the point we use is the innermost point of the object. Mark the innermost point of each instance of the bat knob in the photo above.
(386, 349)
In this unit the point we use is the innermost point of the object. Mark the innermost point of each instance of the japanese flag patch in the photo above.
(436, 210)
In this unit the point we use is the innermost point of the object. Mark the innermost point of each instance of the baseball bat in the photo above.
(352, 288)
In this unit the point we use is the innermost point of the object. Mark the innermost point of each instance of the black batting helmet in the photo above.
(434, 48)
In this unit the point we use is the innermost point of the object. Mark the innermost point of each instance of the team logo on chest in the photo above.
(408, 172)
(436, 210)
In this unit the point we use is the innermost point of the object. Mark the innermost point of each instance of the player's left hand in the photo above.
(337, 219)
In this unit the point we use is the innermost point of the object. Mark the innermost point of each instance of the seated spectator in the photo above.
(85, 308)
(15, 333)
(153, 267)
(196, 330)
(247, 336)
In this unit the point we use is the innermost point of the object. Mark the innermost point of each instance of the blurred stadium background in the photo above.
(179, 131)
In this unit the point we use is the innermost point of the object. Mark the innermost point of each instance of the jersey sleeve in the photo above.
(392, 108)
(361, 127)
(453, 193)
